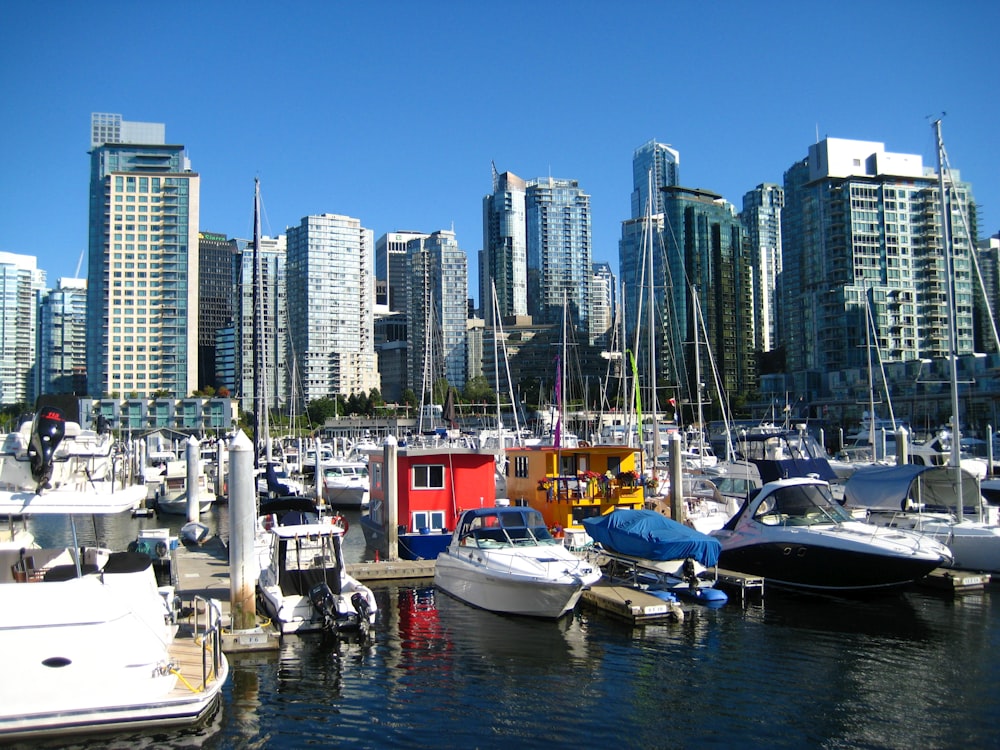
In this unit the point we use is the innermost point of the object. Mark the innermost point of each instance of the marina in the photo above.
(784, 670)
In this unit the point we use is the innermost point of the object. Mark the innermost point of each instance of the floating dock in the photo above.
(203, 573)
(955, 581)
(631, 604)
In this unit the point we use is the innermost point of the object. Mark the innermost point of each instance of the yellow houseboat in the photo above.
(569, 484)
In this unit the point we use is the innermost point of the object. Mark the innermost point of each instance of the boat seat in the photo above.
(67, 572)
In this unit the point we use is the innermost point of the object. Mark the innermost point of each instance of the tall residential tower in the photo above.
(142, 270)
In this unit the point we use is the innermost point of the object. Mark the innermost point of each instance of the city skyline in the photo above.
(395, 114)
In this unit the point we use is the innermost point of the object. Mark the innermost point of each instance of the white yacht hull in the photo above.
(496, 584)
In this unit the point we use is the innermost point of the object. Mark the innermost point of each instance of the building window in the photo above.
(428, 477)
(433, 520)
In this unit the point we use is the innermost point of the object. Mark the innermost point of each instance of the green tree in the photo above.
(320, 410)
(478, 391)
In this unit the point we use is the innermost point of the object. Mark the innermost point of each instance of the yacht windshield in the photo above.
(800, 505)
(520, 527)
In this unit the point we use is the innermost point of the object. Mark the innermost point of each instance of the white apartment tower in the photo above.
(331, 302)
(21, 283)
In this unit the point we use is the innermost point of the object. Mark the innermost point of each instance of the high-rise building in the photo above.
(390, 266)
(142, 270)
(437, 284)
(503, 260)
(215, 299)
(62, 339)
(266, 362)
(557, 213)
(641, 250)
(331, 300)
(861, 236)
(708, 283)
(663, 163)
(602, 304)
(988, 255)
(761, 217)
(21, 284)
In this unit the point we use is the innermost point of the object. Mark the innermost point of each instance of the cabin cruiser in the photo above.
(504, 559)
(794, 534)
(923, 500)
(345, 484)
(89, 637)
(173, 495)
(304, 585)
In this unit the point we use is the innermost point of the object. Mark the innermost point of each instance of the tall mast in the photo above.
(651, 320)
(259, 376)
(955, 461)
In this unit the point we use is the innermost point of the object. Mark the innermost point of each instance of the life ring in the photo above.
(339, 520)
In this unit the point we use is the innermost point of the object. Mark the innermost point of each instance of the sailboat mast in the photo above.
(259, 399)
(651, 320)
(956, 435)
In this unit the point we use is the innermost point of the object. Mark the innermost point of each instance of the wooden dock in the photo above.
(955, 581)
(631, 604)
(391, 570)
(741, 583)
(203, 572)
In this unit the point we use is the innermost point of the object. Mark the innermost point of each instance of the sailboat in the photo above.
(974, 542)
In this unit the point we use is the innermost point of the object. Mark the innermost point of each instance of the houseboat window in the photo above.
(428, 520)
(567, 466)
(428, 477)
(520, 466)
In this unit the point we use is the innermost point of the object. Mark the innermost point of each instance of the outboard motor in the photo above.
(363, 609)
(324, 602)
(690, 574)
(46, 434)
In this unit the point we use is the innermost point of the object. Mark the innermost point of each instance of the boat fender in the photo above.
(339, 520)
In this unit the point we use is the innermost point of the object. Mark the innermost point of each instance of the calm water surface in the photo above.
(917, 670)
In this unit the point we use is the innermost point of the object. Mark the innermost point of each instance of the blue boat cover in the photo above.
(650, 535)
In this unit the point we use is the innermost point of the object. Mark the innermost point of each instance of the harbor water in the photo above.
(913, 670)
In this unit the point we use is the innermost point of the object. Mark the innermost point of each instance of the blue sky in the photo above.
(392, 112)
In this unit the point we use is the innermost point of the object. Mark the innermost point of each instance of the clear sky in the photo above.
(392, 112)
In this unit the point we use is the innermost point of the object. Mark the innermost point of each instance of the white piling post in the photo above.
(389, 479)
(193, 490)
(902, 446)
(319, 477)
(676, 478)
(243, 567)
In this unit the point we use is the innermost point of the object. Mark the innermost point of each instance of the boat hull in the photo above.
(505, 594)
(808, 564)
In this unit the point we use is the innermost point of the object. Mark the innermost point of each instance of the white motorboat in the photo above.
(173, 498)
(304, 584)
(505, 560)
(923, 499)
(793, 534)
(345, 484)
(88, 636)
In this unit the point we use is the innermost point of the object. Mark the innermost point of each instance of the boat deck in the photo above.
(186, 656)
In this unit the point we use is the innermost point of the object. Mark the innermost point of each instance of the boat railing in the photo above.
(208, 633)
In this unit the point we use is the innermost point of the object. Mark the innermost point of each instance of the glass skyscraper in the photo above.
(557, 214)
(62, 339)
(21, 283)
(437, 283)
(503, 261)
(761, 217)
